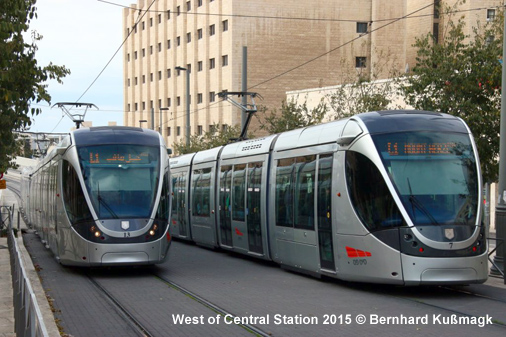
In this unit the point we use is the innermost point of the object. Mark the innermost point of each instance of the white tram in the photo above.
(384, 197)
(102, 198)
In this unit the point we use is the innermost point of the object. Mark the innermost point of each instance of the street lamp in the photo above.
(162, 109)
(187, 104)
(142, 121)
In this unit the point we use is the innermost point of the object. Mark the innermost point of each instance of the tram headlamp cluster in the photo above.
(95, 231)
(153, 230)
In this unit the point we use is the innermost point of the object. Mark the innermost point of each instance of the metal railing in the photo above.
(27, 314)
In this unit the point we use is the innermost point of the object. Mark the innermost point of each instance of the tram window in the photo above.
(75, 202)
(201, 192)
(238, 192)
(369, 194)
(305, 192)
(284, 192)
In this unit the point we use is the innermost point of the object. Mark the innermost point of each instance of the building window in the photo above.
(211, 30)
(490, 14)
(199, 66)
(178, 10)
(143, 25)
(168, 102)
(159, 75)
(178, 99)
(151, 77)
(150, 50)
(159, 103)
(143, 78)
(200, 3)
(188, 6)
(159, 46)
(224, 128)
(178, 71)
(224, 60)
(136, 106)
(143, 105)
(225, 25)
(360, 62)
(168, 131)
(168, 73)
(361, 27)
(151, 104)
(199, 33)
(150, 22)
(211, 63)
(189, 68)
(168, 14)
(199, 98)
(211, 96)
(143, 52)
(168, 44)
(178, 41)
(128, 82)
(188, 37)
(136, 81)
(212, 129)
(135, 55)
(199, 130)
(128, 108)
(159, 18)
(178, 131)
(128, 57)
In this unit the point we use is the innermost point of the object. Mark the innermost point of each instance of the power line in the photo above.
(115, 53)
(339, 47)
(287, 17)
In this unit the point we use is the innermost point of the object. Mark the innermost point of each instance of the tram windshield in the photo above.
(121, 180)
(434, 174)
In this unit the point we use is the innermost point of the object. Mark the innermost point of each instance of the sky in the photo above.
(82, 35)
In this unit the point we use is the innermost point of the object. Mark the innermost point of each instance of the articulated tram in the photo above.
(102, 197)
(384, 197)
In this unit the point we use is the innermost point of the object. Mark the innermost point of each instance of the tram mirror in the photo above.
(61, 150)
(169, 151)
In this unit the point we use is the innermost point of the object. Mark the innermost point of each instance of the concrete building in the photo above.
(303, 44)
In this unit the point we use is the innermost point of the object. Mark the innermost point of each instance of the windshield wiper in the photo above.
(416, 203)
(105, 204)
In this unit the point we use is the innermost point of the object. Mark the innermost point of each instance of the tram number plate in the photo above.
(126, 234)
(359, 262)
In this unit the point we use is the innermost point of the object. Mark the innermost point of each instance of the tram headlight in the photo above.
(97, 234)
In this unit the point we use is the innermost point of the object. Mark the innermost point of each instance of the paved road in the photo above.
(278, 302)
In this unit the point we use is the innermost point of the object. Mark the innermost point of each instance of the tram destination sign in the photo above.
(411, 148)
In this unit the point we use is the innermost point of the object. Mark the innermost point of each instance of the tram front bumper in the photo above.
(440, 271)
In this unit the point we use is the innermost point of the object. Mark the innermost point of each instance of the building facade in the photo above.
(303, 44)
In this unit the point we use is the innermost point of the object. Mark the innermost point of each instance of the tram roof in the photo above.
(248, 147)
(116, 135)
(411, 120)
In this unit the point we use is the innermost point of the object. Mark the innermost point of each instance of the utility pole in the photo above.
(500, 210)
(244, 88)
(187, 104)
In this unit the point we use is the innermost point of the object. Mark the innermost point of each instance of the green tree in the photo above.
(364, 91)
(22, 80)
(215, 137)
(292, 116)
(461, 75)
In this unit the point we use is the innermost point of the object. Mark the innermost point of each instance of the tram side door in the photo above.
(225, 208)
(253, 211)
(324, 213)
